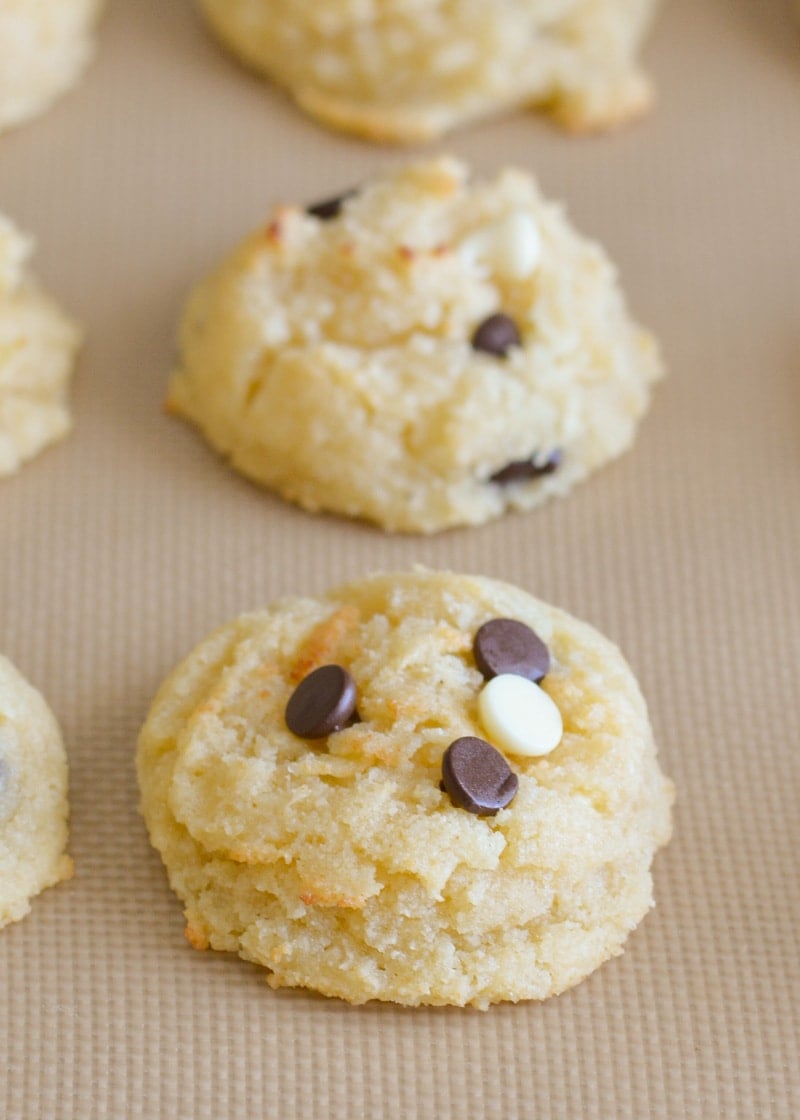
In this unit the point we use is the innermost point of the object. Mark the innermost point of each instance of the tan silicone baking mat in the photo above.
(129, 541)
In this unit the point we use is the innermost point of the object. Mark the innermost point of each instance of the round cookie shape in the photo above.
(33, 796)
(333, 359)
(45, 46)
(38, 346)
(401, 858)
(394, 70)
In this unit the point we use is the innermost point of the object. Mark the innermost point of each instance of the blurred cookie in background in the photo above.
(38, 347)
(33, 796)
(408, 70)
(45, 45)
(425, 351)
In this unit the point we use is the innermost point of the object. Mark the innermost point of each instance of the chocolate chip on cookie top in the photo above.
(322, 703)
(496, 335)
(477, 777)
(505, 645)
(330, 208)
(522, 470)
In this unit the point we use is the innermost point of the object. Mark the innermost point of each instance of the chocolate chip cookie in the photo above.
(408, 71)
(340, 793)
(423, 352)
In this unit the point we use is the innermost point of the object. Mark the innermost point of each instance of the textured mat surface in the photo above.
(126, 543)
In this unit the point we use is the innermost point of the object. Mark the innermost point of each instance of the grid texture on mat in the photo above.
(126, 543)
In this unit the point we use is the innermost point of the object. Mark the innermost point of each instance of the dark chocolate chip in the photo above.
(523, 470)
(496, 335)
(504, 645)
(477, 777)
(330, 208)
(322, 703)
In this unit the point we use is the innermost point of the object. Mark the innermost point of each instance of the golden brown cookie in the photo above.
(44, 45)
(323, 787)
(424, 352)
(408, 70)
(38, 346)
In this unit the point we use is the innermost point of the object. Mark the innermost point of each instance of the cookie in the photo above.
(423, 352)
(38, 346)
(33, 796)
(45, 46)
(340, 794)
(393, 70)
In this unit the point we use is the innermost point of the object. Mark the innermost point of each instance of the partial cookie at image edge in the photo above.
(45, 48)
(33, 796)
(408, 76)
(38, 350)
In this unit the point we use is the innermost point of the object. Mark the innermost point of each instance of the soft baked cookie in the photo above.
(38, 345)
(407, 70)
(405, 857)
(33, 796)
(424, 352)
(44, 47)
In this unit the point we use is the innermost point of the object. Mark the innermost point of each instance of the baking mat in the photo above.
(125, 544)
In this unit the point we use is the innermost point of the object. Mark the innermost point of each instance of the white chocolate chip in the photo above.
(511, 246)
(519, 717)
(519, 246)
